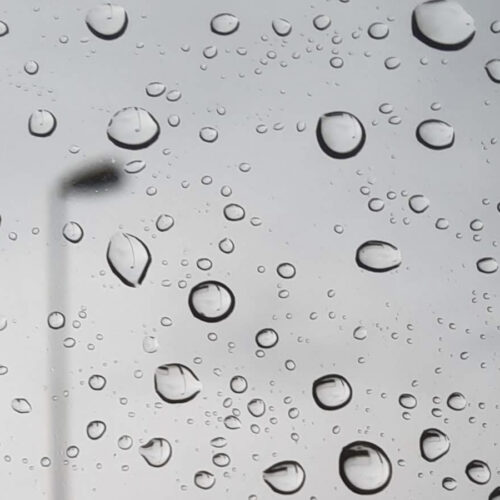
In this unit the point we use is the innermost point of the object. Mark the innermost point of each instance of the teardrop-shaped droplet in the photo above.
(364, 467)
(281, 27)
(211, 301)
(443, 24)
(340, 134)
(436, 134)
(487, 265)
(133, 128)
(224, 24)
(204, 479)
(419, 203)
(21, 405)
(332, 392)
(73, 232)
(493, 69)
(129, 258)
(434, 444)
(96, 429)
(266, 338)
(107, 21)
(157, 452)
(378, 256)
(478, 472)
(42, 123)
(176, 383)
(285, 477)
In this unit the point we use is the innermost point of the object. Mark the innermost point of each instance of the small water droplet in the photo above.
(31, 67)
(155, 89)
(42, 123)
(208, 134)
(234, 212)
(281, 27)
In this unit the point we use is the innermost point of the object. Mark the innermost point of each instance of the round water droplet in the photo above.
(156, 452)
(492, 67)
(360, 333)
(133, 128)
(176, 383)
(238, 384)
(56, 320)
(226, 245)
(97, 382)
(234, 212)
(107, 21)
(434, 444)
(378, 31)
(204, 479)
(419, 203)
(285, 477)
(96, 429)
(322, 22)
(267, 338)
(378, 256)
(408, 401)
(42, 123)
(478, 472)
(21, 405)
(281, 27)
(208, 134)
(211, 301)
(331, 392)
(376, 204)
(221, 460)
(340, 134)
(129, 258)
(155, 89)
(224, 24)
(435, 134)
(364, 467)
(256, 407)
(164, 222)
(125, 442)
(286, 270)
(73, 232)
(487, 265)
(31, 67)
(443, 24)
(456, 401)
(449, 483)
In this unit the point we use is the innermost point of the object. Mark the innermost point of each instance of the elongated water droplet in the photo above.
(176, 383)
(340, 134)
(364, 467)
(107, 21)
(378, 31)
(285, 477)
(436, 134)
(155, 89)
(134, 166)
(211, 301)
(42, 123)
(281, 27)
(157, 452)
(434, 444)
(443, 24)
(332, 392)
(73, 232)
(204, 479)
(487, 265)
(96, 429)
(378, 256)
(133, 128)
(224, 24)
(129, 258)
(478, 472)
(21, 405)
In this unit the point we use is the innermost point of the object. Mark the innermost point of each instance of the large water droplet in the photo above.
(487, 265)
(204, 479)
(42, 123)
(443, 24)
(129, 258)
(107, 21)
(456, 401)
(449, 483)
(96, 429)
(211, 301)
(340, 134)
(285, 477)
(434, 444)
(378, 256)
(332, 392)
(378, 31)
(133, 128)
(419, 203)
(21, 405)
(281, 27)
(156, 452)
(267, 338)
(224, 24)
(176, 383)
(435, 134)
(364, 467)
(478, 471)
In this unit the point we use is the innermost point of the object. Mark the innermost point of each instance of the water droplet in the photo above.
(322, 22)
(176, 383)
(73, 232)
(493, 69)
(21, 405)
(125, 442)
(96, 429)
(376, 204)
(495, 494)
(4, 28)
(364, 467)
(378, 256)
(281, 27)
(56, 320)
(331, 392)
(238, 384)
(392, 63)
(378, 31)
(487, 265)
(107, 21)
(456, 401)
(129, 258)
(31, 67)
(443, 24)
(135, 166)
(234, 212)
(256, 407)
(224, 24)
(221, 460)
(360, 333)
(340, 134)
(72, 451)
(211, 301)
(435, 134)
(97, 382)
(133, 128)
(419, 203)
(226, 245)
(164, 222)
(449, 483)
(286, 270)
(156, 452)
(208, 134)
(42, 123)
(285, 477)
(204, 479)
(408, 401)
(478, 472)
(155, 89)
